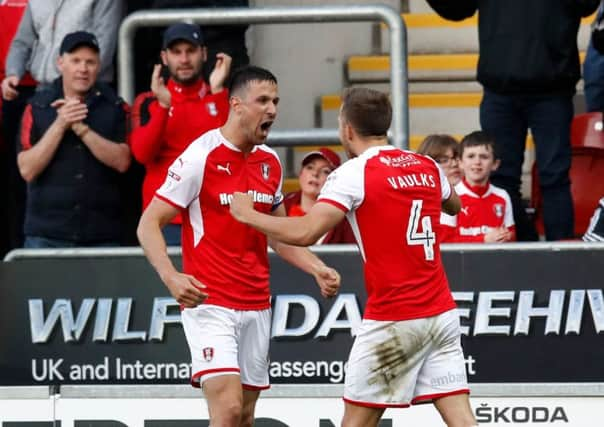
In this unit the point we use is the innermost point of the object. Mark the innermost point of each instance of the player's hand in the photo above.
(9, 87)
(159, 89)
(186, 289)
(241, 205)
(70, 111)
(328, 280)
(220, 72)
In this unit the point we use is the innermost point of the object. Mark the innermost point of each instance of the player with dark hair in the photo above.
(225, 285)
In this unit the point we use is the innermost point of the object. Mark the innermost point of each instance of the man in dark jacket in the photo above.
(529, 67)
(72, 151)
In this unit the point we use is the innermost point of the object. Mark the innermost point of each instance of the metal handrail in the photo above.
(399, 131)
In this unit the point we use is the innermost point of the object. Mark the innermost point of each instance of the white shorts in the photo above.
(228, 342)
(396, 364)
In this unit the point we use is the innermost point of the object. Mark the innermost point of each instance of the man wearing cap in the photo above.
(316, 166)
(173, 114)
(73, 150)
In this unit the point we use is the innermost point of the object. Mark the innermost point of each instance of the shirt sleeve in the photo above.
(185, 176)
(445, 186)
(344, 187)
(508, 216)
(148, 124)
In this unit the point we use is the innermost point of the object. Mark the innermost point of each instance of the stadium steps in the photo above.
(429, 113)
(446, 70)
(429, 33)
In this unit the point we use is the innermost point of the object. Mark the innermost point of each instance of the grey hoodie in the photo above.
(35, 47)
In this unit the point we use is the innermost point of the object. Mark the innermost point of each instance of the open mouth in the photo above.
(265, 126)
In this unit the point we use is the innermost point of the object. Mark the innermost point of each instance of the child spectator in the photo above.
(486, 213)
(316, 166)
(445, 150)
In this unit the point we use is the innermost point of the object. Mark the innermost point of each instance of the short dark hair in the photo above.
(476, 139)
(436, 145)
(368, 111)
(242, 77)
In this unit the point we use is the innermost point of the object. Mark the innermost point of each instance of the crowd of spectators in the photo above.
(90, 165)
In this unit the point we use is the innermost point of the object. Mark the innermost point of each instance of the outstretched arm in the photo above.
(300, 231)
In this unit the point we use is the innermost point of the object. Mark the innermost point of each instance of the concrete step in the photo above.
(442, 67)
(421, 67)
(429, 33)
(455, 113)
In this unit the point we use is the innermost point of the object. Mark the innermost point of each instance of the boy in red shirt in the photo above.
(486, 213)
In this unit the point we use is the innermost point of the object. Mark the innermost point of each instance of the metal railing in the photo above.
(399, 131)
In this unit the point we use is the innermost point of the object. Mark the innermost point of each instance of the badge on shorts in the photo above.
(208, 354)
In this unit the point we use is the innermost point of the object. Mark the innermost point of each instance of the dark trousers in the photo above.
(15, 186)
(507, 118)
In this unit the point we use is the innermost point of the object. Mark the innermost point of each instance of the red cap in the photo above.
(331, 156)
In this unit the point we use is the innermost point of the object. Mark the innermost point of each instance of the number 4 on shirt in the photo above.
(426, 237)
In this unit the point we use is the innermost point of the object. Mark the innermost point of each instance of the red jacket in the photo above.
(160, 135)
(341, 233)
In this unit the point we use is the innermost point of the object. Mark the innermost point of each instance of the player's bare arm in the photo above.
(300, 231)
(185, 288)
(452, 205)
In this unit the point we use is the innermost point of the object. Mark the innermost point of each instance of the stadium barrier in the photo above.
(96, 329)
(279, 15)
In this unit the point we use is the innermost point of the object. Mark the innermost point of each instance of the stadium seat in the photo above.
(587, 187)
(587, 130)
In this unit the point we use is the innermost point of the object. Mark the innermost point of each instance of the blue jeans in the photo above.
(593, 77)
(507, 118)
(38, 242)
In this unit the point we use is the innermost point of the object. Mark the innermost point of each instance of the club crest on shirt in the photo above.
(498, 210)
(208, 354)
(212, 110)
(265, 169)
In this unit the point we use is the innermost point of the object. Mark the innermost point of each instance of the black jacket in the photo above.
(526, 46)
(76, 198)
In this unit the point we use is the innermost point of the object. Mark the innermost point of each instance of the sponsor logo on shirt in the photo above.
(402, 161)
(257, 197)
(224, 168)
(474, 231)
(464, 210)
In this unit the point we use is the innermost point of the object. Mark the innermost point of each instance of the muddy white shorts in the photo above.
(396, 364)
(228, 342)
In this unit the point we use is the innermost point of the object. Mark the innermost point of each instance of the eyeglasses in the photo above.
(445, 160)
